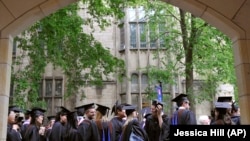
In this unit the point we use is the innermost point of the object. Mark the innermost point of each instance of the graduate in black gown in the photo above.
(117, 121)
(102, 122)
(13, 133)
(132, 130)
(58, 129)
(157, 124)
(71, 133)
(35, 131)
(222, 114)
(87, 129)
(183, 115)
(51, 121)
(27, 118)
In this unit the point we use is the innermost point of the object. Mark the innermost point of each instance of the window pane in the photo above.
(58, 87)
(143, 35)
(141, 13)
(134, 83)
(144, 82)
(134, 79)
(122, 38)
(133, 35)
(132, 14)
(144, 79)
(162, 34)
(48, 89)
(49, 104)
(41, 89)
(153, 35)
(58, 102)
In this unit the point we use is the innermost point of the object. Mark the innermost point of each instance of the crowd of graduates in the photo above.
(90, 122)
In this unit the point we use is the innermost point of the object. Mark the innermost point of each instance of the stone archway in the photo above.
(15, 16)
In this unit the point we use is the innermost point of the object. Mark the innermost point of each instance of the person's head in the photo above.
(27, 115)
(130, 111)
(51, 120)
(204, 120)
(182, 101)
(102, 112)
(90, 111)
(118, 110)
(61, 116)
(37, 115)
(155, 106)
(80, 110)
(221, 109)
(13, 113)
(72, 119)
(235, 109)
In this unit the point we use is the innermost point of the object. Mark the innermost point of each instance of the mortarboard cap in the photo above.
(64, 111)
(80, 110)
(51, 117)
(104, 110)
(224, 99)
(36, 111)
(223, 105)
(129, 109)
(88, 106)
(116, 107)
(15, 109)
(156, 102)
(180, 98)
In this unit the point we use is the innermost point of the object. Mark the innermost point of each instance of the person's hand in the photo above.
(159, 110)
(15, 127)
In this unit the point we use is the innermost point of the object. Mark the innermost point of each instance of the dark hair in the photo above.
(71, 124)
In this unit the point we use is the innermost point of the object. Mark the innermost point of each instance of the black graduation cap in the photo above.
(180, 98)
(64, 111)
(36, 111)
(114, 108)
(224, 99)
(157, 102)
(15, 109)
(129, 109)
(51, 117)
(88, 106)
(103, 109)
(223, 105)
(80, 110)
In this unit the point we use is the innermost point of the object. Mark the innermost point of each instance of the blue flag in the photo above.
(159, 93)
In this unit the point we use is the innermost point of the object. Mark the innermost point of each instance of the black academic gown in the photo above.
(88, 131)
(72, 135)
(117, 124)
(183, 117)
(236, 120)
(153, 130)
(47, 133)
(134, 127)
(57, 132)
(32, 134)
(23, 129)
(104, 128)
(13, 135)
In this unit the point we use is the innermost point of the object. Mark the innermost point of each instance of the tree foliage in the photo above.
(194, 49)
(59, 39)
